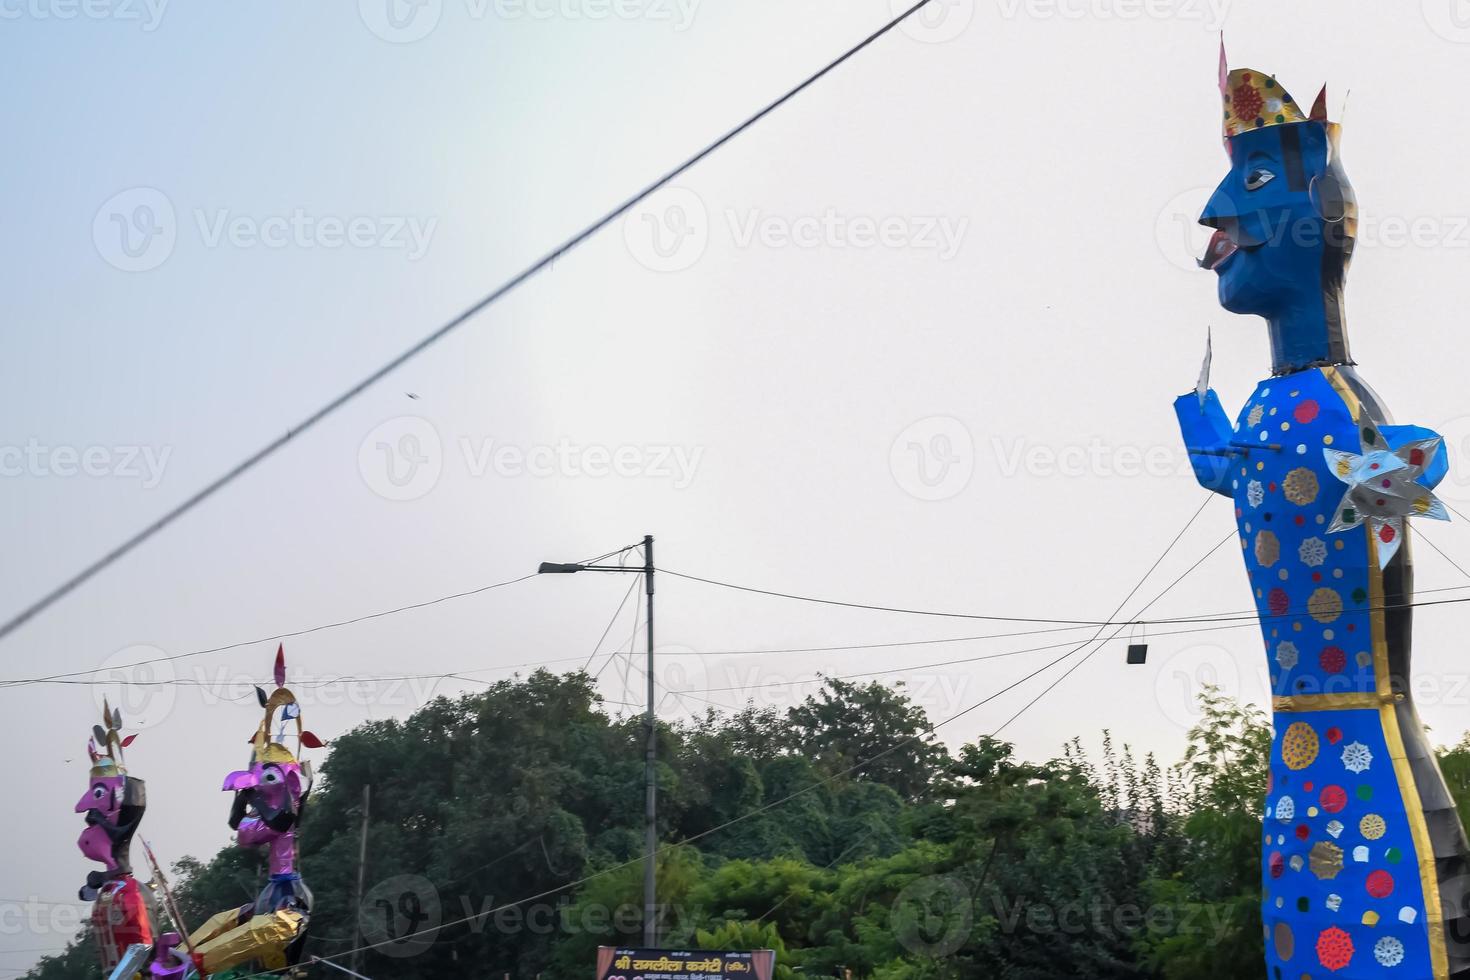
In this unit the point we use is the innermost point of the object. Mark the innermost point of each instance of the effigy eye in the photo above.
(1258, 178)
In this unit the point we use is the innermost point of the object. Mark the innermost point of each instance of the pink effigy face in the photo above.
(104, 795)
(276, 784)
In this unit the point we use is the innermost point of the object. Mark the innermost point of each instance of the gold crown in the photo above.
(265, 749)
(1255, 100)
(106, 739)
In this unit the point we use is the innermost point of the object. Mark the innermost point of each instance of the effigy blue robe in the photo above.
(1359, 831)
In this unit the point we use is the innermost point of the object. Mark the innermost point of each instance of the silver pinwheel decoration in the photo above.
(1382, 488)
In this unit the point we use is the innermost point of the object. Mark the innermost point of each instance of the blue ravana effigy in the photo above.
(1364, 869)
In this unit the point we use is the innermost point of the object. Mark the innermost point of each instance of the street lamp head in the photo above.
(558, 568)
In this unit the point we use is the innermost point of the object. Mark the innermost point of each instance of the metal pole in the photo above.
(650, 843)
(367, 797)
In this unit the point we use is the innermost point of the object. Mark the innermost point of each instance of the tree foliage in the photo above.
(506, 838)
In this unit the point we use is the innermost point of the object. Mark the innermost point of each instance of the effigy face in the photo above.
(277, 785)
(1269, 240)
(102, 803)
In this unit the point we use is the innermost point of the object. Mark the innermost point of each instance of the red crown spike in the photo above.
(281, 665)
(1319, 107)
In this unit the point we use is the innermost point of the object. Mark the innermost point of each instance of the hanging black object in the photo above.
(1138, 647)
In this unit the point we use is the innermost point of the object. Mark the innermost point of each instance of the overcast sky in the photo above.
(911, 341)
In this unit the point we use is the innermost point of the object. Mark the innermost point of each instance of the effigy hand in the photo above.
(1206, 431)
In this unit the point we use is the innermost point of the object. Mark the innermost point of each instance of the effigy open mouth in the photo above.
(1219, 251)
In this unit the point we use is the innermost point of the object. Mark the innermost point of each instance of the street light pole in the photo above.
(650, 813)
(650, 721)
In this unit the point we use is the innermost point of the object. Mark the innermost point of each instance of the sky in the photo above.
(911, 341)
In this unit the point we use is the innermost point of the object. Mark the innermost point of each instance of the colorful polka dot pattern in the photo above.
(1339, 870)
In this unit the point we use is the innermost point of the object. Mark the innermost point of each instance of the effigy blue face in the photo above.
(1270, 234)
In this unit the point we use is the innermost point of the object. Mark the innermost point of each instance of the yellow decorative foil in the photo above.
(263, 937)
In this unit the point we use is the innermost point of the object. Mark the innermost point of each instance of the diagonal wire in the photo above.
(423, 344)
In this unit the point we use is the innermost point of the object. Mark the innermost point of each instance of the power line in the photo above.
(1215, 617)
(608, 629)
(1050, 687)
(521, 277)
(317, 629)
(1458, 567)
(273, 638)
(1237, 619)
